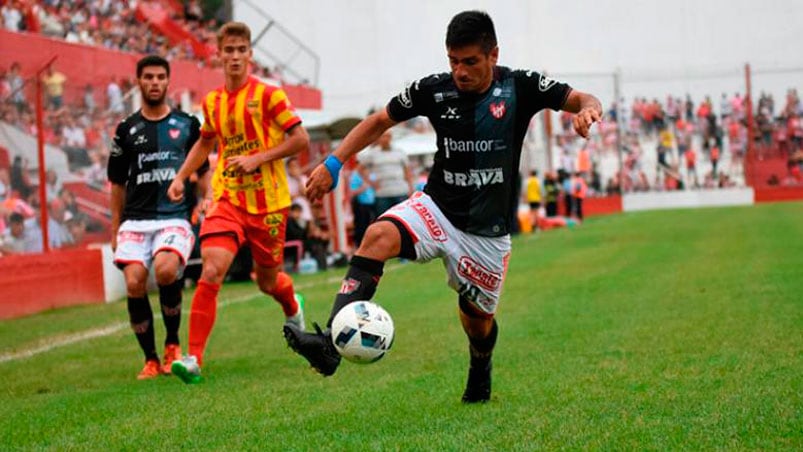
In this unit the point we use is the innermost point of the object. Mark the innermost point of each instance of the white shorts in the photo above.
(139, 240)
(475, 265)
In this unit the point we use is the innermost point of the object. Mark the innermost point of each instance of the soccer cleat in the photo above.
(187, 369)
(152, 369)
(317, 348)
(297, 319)
(172, 353)
(478, 387)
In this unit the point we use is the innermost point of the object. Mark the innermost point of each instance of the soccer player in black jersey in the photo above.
(147, 228)
(480, 112)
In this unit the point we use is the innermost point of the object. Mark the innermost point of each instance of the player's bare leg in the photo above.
(279, 285)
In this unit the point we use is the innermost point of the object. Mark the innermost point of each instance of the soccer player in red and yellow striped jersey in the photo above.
(255, 127)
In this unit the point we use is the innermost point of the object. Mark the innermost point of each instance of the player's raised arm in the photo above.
(588, 110)
(324, 176)
(197, 156)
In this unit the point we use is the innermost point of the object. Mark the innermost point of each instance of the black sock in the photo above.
(481, 349)
(141, 317)
(170, 299)
(359, 284)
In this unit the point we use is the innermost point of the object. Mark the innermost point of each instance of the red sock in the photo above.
(284, 294)
(202, 317)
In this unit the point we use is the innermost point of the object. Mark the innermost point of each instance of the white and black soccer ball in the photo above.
(362, 332)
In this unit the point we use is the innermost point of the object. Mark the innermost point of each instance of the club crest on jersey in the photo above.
(252, 106)
(174, 133)
(498, 109)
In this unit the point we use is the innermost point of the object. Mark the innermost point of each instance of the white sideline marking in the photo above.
(63, 341)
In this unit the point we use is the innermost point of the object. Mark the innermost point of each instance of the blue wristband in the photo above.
(333, 165)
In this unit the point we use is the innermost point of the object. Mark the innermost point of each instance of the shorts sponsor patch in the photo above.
(479, 275)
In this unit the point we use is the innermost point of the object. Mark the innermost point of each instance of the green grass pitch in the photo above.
(659, 330)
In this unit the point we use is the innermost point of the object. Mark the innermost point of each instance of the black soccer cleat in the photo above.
(478, 387)
(317, 348)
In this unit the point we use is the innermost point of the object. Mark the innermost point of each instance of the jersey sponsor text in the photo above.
(156, 175)
(478, 177)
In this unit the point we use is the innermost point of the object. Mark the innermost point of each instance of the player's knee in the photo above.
(212, 273)
(135, 286)
(382, 241)
(165, 275)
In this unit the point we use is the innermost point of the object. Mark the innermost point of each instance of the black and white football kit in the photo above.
(145, 158)
(463, 216)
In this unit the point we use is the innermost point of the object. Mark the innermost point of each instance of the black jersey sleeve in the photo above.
(118, 168)
(539, 91)
(412, 101)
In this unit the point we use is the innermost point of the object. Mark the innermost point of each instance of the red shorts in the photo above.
(227, 226)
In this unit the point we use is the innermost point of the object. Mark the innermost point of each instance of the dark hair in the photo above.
(470, 28)
(16, 217)
(152, 60)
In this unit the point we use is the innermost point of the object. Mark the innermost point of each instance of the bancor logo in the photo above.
(450, 145)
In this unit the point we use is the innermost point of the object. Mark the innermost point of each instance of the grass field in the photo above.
(650, 331)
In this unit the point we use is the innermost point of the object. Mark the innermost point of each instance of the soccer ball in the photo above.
(362, 332)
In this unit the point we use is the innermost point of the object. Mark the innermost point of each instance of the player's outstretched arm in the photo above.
(197, 156)
(324, 176)
(588, 110)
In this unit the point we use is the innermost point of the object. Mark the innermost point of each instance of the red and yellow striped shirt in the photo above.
(252, 119)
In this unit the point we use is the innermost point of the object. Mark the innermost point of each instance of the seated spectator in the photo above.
(68, 198)
(76, 226)
(57, 231)
(18, 238)
(53, 185)
(73, 142)
(315, 239)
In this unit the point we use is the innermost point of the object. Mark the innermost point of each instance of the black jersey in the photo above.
(145, 157)
(479, 139)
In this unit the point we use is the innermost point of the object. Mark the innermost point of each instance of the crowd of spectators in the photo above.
(689, 142)
(20, 225)
(111, 24)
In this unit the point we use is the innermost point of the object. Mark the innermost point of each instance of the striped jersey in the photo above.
(252, 119)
